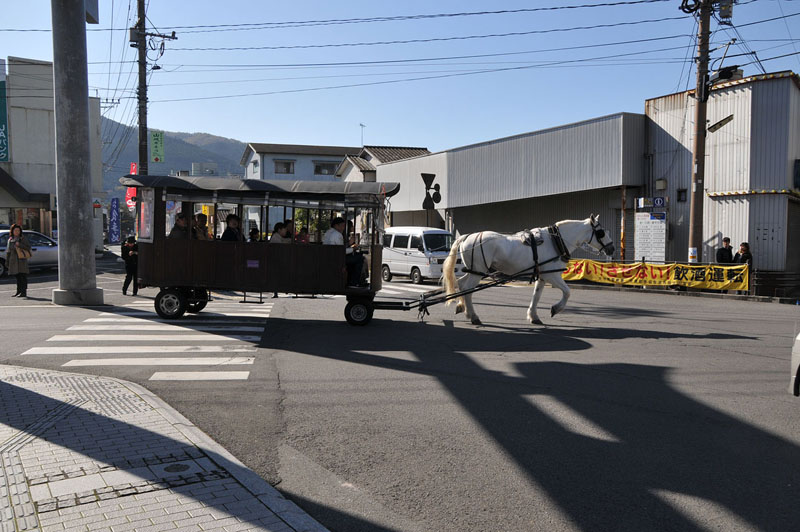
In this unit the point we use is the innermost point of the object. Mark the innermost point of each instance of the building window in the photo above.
(284, 167)
(323, 168)
(255, 167)
(682, 195)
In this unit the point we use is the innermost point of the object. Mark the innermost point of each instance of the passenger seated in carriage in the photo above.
(354, 261)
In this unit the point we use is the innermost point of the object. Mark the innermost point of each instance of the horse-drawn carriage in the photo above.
(186, 270)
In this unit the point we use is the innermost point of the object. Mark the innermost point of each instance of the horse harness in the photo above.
(534, 241)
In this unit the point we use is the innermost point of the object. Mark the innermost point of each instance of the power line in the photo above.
(306, 23)
(432, 39)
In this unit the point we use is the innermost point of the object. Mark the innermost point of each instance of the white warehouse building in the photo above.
(752, 189)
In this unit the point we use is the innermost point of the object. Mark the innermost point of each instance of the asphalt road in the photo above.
(628, 411)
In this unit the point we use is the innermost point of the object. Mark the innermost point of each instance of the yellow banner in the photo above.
(711, 276)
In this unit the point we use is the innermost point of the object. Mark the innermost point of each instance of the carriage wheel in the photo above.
(416, 276)
(358, 312)
(170, 303)
(386, 273)
(200, 294)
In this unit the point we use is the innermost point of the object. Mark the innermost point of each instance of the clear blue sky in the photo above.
(539, 89)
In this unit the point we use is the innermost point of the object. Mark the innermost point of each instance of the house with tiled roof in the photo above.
(299, 162)
(362, 166)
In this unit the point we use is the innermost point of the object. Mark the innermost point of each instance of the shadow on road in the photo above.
(671, 463)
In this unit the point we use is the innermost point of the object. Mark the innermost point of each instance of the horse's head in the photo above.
(598, 239)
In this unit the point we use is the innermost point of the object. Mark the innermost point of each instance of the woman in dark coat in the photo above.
(130, 254)
(16, 264)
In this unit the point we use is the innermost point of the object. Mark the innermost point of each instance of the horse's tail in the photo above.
(449, 268)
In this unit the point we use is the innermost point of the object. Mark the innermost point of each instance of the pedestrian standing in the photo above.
(744, 256)
(18, 252)
(725, 253)
(130, 254)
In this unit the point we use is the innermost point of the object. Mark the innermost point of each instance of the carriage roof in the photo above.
(191, 187)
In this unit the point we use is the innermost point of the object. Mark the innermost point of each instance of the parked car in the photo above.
(45, 251)
(794, 383)
(418, 252)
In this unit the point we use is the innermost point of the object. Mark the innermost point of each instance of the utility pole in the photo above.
(699, 149)
(141, 44)
(77, 276)
(138, 39)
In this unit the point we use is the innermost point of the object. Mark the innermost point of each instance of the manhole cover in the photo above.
(176, 468)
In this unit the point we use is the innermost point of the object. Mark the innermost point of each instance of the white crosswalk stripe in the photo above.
(222, 331)
(200, 376)
(165, 327)
(138, 349)
(164, 361)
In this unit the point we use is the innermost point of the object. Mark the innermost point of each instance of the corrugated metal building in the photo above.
(530, 180)
(751, 168)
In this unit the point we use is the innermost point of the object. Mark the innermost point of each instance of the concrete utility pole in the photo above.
(77, 282)
(141, 44)
(699, 150)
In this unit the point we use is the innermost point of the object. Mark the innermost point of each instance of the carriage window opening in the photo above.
(438, 241)
(284, 167)
(416, 241)
(144, 198)
(387, 241)
(400, 241)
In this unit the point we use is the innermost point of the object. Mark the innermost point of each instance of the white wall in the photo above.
(412, 188)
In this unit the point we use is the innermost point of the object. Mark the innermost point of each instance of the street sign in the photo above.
(130, 200)
(650, 238)
(659, 202)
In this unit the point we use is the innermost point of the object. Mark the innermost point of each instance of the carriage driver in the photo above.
(335, 236)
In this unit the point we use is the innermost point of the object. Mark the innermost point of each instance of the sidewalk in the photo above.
(86, 453)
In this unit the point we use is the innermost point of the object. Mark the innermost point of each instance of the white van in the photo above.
(417, 252)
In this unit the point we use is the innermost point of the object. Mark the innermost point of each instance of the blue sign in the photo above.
(659, 202)
(658, 216)
(113, 222)
(4, 149)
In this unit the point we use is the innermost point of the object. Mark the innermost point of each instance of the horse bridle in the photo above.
(598, 233)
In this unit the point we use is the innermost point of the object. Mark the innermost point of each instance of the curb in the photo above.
(293, 515)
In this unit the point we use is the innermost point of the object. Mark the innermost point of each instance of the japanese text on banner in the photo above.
(710, 276)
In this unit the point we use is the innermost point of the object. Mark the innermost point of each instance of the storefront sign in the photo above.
(4, 146)
(130, 198)
(113, 222)
(711, 276)
(156, 146)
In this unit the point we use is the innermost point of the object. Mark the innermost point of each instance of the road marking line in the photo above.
(159, 327)
(206, 315)
(130, 349)
(570, 419)
(214, 319)
(174, 361)
(387, 291)
(200, 376)
(412, 288)
(153, 338)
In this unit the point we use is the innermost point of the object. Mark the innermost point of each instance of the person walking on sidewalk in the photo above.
(130, 254)
(18, 252)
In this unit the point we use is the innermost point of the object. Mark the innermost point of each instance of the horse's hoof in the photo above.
(476, 320)
(553, 311)
(537, 321)
(459, 309)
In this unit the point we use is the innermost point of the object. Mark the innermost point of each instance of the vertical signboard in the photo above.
(156, 146)
(130, 198)
(5, 156)
(113, 222)
(650, 240)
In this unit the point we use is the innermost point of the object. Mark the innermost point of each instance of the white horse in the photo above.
(487, 251)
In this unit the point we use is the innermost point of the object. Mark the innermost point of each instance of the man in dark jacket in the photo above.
(744, 256)
(130, 254)
(181, 227)
(725, 253)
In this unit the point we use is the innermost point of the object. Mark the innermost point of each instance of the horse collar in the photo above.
(561, 247)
